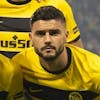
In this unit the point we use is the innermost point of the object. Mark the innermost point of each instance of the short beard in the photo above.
(50, 58)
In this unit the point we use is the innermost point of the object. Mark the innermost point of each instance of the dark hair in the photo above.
(47, 13)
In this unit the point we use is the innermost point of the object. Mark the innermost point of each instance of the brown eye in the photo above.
(54, 32)
(40, 33)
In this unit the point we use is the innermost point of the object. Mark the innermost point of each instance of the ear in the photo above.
(30, 35)
(66, 36)
(67, 33)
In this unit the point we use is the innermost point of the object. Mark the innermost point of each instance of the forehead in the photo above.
(47, 24)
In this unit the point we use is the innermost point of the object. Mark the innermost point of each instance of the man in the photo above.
(14, 26)
(55, 70)
(11, 83)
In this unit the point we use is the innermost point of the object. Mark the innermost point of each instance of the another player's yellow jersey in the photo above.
(11, 83)
(14, 23)
(80, 80)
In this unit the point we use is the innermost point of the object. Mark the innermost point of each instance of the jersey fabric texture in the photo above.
(11, 87)
(80, 80)
(14, 23)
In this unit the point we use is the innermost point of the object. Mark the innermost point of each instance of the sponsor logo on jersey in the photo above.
(14, 41)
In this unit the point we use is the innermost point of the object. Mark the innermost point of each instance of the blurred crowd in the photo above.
(87, 15)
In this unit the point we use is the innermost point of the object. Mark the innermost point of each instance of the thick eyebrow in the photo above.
(48, 30)
(56, 30)
(40, 31)
(51, 31)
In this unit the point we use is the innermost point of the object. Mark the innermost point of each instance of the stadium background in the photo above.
(87, 15)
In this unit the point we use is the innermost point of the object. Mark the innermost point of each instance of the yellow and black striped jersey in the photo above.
(80, 80)
(14, 23)
(11, 83)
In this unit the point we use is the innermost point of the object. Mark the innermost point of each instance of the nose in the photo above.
(47, 38)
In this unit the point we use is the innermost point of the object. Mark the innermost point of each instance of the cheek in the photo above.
(60, 41)
(63, 40)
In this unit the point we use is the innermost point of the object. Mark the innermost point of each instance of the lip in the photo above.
(48, 48)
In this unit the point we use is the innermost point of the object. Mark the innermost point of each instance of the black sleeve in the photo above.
(3, 95)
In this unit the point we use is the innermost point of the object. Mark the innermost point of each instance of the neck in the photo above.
(57, 64)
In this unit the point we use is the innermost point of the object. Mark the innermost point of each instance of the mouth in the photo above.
(48, 48)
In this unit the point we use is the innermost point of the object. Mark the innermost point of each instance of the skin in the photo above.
(48, 38)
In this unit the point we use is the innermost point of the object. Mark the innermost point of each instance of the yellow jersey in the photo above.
(11, 83)
(14, 23)
(80, 80)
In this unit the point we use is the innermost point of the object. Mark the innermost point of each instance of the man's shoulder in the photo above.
(25, 51)
(6, 64)
(85, 58)
(25, 55)
(7, 71)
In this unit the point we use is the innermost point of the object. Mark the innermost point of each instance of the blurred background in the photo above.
(87, 16)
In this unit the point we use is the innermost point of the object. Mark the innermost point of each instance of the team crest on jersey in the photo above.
(75, 96)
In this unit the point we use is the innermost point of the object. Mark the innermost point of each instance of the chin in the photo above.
(49, 57)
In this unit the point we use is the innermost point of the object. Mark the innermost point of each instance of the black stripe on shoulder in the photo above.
(3, 95)
(8, 54)
(14, 24)
(75, 39)
(18, 2)
(75, 29)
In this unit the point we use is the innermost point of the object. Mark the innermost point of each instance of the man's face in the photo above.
(48, 38)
